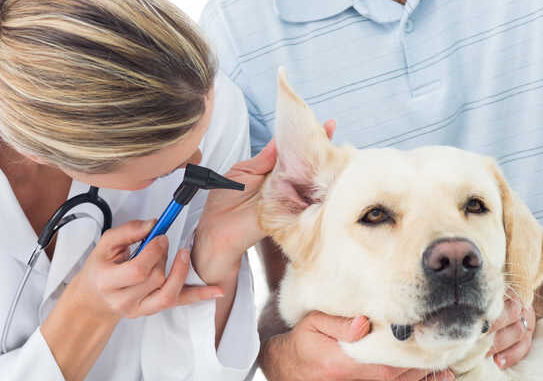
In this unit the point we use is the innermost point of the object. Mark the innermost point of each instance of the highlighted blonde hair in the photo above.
(86, 84)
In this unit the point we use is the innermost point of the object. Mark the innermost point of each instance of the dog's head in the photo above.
(424, 242)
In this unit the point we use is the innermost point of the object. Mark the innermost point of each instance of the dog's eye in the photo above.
(475, 206)
(375, 216)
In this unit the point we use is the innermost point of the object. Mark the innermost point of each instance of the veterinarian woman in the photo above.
(121, 94)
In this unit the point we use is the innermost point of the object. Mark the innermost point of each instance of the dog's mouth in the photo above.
(454, 321)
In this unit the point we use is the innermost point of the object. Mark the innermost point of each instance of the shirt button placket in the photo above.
(420, 80)
(409, 26)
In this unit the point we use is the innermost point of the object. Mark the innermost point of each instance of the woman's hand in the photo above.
(109, 288)
(229, 224)
(129, 289)
(310, 352)
(513, 340)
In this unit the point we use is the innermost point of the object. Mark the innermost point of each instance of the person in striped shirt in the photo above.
(392, 73)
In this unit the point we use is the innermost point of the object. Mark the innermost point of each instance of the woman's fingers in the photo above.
(171, 292)
(133, 295)
(137, 270)
(117, 239)
(195, 294)
(166, 296)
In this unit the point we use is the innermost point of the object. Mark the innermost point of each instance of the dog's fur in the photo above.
(312, 204)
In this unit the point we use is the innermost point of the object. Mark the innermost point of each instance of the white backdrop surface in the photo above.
(194, 8)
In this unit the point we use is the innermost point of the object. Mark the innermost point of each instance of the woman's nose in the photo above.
(196, 158)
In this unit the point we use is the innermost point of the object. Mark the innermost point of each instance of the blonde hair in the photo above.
(86, 84)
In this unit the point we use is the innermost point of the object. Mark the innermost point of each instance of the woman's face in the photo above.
(140, 172)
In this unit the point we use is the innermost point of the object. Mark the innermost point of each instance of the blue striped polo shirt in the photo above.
(464, 73)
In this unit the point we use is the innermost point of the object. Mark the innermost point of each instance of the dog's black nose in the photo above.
(452, 260)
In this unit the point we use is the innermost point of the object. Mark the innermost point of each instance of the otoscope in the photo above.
(196, 178)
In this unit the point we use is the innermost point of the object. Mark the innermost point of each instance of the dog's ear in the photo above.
(306, 167)
(524, 258)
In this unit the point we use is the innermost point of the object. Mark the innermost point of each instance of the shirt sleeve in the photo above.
(32, 361)
(216, 29)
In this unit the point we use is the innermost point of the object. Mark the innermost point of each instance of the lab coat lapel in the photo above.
(75, 242)
(17, 237)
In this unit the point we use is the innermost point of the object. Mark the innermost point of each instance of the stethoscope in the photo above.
(195, 178)
(59, 219)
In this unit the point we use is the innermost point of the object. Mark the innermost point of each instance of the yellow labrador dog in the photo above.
(423, 242)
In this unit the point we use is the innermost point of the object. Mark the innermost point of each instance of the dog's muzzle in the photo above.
(454, 300)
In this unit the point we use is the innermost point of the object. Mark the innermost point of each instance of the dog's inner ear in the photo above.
(307, 162)
(295, 188)
(307, 165)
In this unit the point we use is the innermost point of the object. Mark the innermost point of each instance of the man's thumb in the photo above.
(262, 163)
(340, 328)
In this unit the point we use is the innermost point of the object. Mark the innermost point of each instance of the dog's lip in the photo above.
(434, 314)
(437, 314)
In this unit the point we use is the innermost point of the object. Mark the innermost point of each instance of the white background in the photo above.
(193, 8)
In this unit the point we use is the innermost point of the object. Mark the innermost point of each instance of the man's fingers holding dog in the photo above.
(514, 354)
(352, 330)
(330, 128)
(433, 376)
(513, 342)
(338, 328)
(386, 373)
(511, 314)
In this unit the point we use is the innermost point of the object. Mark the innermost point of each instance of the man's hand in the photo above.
(513, 340)
(310, 352)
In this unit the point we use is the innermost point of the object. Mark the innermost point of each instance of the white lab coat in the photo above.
(177, 344)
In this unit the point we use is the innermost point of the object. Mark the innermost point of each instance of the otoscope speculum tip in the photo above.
(205, 178)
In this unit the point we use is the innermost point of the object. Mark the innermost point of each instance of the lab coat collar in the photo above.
(74, 241)
(17, 237)
(380, 11)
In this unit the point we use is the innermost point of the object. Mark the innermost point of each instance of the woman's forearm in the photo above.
(76, 334)
(217, 268)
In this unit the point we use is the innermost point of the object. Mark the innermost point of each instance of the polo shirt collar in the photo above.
(380, 11)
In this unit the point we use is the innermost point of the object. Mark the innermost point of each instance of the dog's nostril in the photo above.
(443, 263)
(471, 260)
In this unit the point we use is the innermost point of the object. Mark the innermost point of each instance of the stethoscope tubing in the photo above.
(92, 197)
(16, 299)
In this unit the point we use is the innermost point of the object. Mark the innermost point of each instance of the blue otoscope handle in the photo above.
(161, 226)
